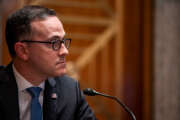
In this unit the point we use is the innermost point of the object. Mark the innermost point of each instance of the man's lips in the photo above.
(61, 62)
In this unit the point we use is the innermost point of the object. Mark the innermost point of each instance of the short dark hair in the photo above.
(18, 23)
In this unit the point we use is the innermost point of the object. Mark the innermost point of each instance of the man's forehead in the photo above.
(49, 22)
(48, 25)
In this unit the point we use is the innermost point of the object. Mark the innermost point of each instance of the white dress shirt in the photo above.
(24, 96)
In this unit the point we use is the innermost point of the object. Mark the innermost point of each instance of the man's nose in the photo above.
(63, 50)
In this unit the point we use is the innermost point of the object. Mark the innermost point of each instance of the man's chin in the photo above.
(61, 73)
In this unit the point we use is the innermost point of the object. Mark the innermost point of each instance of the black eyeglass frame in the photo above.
(54, 43)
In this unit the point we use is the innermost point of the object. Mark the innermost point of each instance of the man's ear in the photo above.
(21, 51)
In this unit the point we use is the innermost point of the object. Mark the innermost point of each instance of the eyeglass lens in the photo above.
(57, 44)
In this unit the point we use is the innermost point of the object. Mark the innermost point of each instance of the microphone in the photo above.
(91, 92)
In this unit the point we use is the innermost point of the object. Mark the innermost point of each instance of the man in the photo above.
(34, 85)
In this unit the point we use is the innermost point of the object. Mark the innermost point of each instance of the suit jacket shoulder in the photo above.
(9, 108)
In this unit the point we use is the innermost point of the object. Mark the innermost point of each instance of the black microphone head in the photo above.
(89, 92)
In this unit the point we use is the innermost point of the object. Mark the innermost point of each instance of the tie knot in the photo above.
(34, 91)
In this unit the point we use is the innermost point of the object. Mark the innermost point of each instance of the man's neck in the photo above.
(29, 74)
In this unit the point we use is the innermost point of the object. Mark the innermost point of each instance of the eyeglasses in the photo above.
(56, 43)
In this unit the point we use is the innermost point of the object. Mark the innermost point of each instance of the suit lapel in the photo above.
(9, 95)
(50, 100)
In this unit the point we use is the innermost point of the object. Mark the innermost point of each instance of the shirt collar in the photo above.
(22, 83)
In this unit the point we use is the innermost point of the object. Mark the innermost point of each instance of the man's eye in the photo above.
(54, 41)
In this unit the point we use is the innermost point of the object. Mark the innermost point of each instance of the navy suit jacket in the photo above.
(69, 105)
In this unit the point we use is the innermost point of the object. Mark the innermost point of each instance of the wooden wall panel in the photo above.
(134, 19)
(147, 60)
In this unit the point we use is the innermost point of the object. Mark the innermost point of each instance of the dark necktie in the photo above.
(36, 110)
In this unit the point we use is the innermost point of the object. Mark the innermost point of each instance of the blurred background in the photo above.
(125, 48)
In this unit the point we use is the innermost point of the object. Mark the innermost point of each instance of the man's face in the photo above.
(42, 58)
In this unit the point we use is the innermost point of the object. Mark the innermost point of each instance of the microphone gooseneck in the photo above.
(91, 92)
